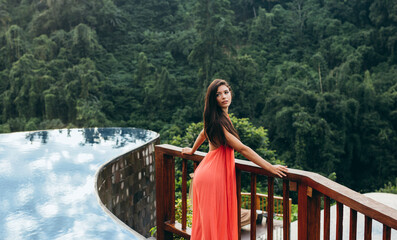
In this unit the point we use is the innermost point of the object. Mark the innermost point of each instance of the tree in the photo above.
(27, 82)
(88, 113)
(318, 74)
(15, 44)
(216, 37)
(83, 41)
(44, 48)
(4, 14)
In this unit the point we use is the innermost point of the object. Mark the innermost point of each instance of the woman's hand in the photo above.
(279, 170)
(187, 151)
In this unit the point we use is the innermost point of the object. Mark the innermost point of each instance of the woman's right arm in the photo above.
(200, 139)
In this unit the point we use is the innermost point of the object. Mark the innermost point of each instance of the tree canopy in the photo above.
(319, 75)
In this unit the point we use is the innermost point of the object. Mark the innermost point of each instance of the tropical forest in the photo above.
(314, 82)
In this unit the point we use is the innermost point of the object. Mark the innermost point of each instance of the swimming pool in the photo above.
(47, 182)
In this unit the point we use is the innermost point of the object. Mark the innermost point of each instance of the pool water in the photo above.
(47, 182)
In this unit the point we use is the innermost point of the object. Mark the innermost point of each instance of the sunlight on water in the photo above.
(47, 181)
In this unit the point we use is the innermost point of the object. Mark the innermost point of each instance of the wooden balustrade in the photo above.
(261, 203)
(311, 188)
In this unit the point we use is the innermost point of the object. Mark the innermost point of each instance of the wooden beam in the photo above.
(184, 193)
(313, 216)
(368, 228)
(270, 208)
(339, 221)
(165, 185)
(169, 194)
(177, 229)
(293, 186)
(302, 211)
(327, 217)
(253, 206)
(353, 224)
(286, 211)
(386, 232)
(238, 185)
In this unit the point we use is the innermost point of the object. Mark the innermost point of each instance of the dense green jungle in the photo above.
(314, 81)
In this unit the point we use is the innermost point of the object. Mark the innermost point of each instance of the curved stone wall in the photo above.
(126, 188)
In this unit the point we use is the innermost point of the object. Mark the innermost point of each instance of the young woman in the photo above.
(214, 183)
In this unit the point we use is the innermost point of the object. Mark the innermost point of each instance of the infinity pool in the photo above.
(47, 182)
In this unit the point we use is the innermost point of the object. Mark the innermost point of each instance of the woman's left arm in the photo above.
(251, 155)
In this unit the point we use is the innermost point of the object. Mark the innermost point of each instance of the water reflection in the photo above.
(47, 182)
(119, 136)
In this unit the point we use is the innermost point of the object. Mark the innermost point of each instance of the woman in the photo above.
(214, 184)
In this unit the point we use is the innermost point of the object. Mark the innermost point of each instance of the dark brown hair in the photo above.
(215, 119)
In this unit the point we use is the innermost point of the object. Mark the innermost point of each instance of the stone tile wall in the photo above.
(126, 186)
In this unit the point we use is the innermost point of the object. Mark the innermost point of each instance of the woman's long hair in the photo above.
(215, 119)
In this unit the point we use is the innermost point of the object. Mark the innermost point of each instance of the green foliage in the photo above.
(389, 188)
(5, 128)
(217, 33)
(319, 75)
(178, 212)
(294, 212)
(190, 135)
(89, 113)
(15, 43)
(254, 137)
(178, 216)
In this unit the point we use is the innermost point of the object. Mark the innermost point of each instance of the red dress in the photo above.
(214, 197)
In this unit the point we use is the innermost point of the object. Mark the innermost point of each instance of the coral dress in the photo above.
(214, 197)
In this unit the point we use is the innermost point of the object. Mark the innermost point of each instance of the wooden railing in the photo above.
(311, 188)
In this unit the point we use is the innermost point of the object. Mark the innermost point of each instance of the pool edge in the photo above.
(115, 160)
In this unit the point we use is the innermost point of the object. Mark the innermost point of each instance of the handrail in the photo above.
(310, 186)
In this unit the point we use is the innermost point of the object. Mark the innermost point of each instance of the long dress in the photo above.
(214, 197)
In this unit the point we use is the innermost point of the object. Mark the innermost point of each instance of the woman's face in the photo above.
(223, 97)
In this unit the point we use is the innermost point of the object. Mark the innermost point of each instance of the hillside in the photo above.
(320, 75)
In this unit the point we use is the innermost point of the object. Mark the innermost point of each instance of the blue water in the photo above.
(47, 182)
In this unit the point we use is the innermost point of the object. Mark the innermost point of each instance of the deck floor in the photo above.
(261, 230)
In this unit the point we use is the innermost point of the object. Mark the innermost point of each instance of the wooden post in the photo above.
(184, 193)
(368, 228)
(386, 232)
(286, 211)
(170, 181)
(353, 224)
(238, 185)
(165, 192)
(313, 216)
(253, 206)
(302, 211)
(290, 212)
(327, 217)
(270, 208)
(339, 221)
